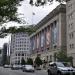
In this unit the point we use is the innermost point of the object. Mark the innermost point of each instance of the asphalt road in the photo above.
(8, 71)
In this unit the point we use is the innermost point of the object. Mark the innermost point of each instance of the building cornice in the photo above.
(59, 9)
(67, 0)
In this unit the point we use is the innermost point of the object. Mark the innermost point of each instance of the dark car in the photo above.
(28, 68)
(60, 68)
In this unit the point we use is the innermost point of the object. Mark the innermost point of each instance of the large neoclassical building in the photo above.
(50, 37)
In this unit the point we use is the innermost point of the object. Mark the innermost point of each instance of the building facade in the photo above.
(4, 54)
(20, 47)
(1, 56)
(50, 36)
(70, 19)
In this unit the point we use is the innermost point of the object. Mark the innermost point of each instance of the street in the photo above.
(8, 71)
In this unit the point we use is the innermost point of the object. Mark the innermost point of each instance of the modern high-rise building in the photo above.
(50, 36)
(70, 19)
(20, 47)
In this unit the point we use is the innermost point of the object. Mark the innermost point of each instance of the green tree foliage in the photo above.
(29, 61)
(8, 10)
(38, 61)
(43, 2)
(28, 30)
(62, 56)
(23, 61)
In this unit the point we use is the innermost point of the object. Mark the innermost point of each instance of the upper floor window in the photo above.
(71, 35)
(71, 46)
(22, 54)
(70, 6)
(71, 26)
(19, 54)
(70, 16)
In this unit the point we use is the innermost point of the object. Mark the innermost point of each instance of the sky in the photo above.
(31, 14)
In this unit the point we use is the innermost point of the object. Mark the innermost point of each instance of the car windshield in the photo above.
(59, 64)
(66, 64)
(28, 66)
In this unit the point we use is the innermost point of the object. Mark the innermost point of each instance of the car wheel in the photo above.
(49, 73)
(59, 73)
(23, 70)
(32, 71)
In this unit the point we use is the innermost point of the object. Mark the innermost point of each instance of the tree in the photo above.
(8, 10)
(70, 58)
(62, 56)
(43, 2)
(29, 61)
(28, 30)
(38, 61)
(23, 61)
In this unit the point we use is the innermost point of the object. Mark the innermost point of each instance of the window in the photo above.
(71, 35)
(70, 16)
(16, 54)
(22, 54)
(23, 35)
(70, 26)
(19, 54)
(27, 48)
(71, 46)
(70, 6)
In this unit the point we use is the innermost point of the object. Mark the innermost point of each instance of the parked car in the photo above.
(15, 67)
(60, 68)
(28, 68)
(7, 66)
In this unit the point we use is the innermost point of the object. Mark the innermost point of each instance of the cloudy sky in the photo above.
(27, 11)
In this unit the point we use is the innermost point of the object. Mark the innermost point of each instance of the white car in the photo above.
(15, 67)
(60, 68)
(6, 66)
(28, 68)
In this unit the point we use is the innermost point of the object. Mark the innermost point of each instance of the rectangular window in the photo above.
(71, 35)
(71, 46)
(70, 26)
(70, 16)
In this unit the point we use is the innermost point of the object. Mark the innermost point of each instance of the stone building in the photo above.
(70, 19)
(50, 36)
